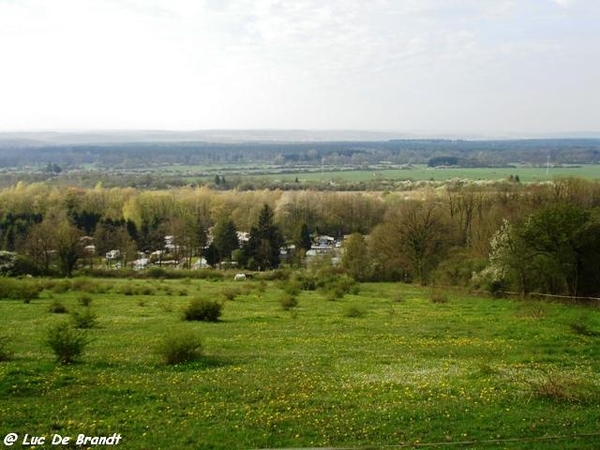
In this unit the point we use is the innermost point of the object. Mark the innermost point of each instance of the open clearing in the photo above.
(385, 366)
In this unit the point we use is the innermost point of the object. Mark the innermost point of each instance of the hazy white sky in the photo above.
(476, 66)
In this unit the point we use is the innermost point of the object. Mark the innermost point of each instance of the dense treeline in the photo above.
(128, 155)
(542, 237)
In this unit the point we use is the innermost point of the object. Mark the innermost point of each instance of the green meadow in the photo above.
(424, 173)
(385, 365)
(418, 172)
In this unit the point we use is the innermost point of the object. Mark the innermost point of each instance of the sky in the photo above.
(485, 67)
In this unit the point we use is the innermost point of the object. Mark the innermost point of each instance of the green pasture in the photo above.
(423, 173)
(385, 366)
(418, 172)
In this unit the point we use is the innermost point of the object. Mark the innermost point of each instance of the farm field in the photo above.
(422, 173)
(418, 172)
(384, 365)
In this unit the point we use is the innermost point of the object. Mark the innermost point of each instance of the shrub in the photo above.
(334, 294)
(84, 319)
(67, 342)
(5, 352)
(354, 312)
(563, 388)
(84, 284)
(261, 286)
(156, 272)
(128, 289)
(531, 309)
(307, 280)
(166, 306)
(146, 290)
(231, 293)
(180, 348)
(439, 297)
(336, 286)
(203, 309)
(85, 300)
(15, 289)
(583, 329)
(398, 298)
(61, 286)
(57, 307)
(292, 286)
(288, 301)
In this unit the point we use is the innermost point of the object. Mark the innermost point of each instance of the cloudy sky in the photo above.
(439, 66)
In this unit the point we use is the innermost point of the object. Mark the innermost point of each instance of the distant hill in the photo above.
(143, 148)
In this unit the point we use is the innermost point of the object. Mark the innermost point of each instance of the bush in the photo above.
(84, 284)
(180, 348)
(231, 293)
(85, 300)
(439, 297)
(292, 286)
(146, 290)
(84, 319)
(6, 353)
(531, 309)
(203, 309)
(337, 286)
(261, 286)
(334, 294)
(128, 289)
(288, 301)
(156, 272)
(60, 287)
(16, 289)
(57, 307)
(354, 312)
(67, 342)
(307, 283)
(563, 388)
(583, 328)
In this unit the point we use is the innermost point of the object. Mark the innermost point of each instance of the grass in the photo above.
(473, 369)
(421, 172)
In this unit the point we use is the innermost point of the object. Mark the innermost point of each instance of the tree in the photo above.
(410, 242)
(211, 254)
(225, 238)
(39, 246)
(554, 250)
(263, 248)
(68, 247)
(114, 235)
(355, 260)
(303, 240)
(563, 239)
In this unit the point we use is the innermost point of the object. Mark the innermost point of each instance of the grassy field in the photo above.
(418, 172)
(421, 173)
(384, 366)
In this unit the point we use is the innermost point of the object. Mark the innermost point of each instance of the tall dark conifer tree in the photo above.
(263, 247)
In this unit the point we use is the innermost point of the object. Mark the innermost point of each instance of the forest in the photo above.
(503, 237)
(138, 154)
